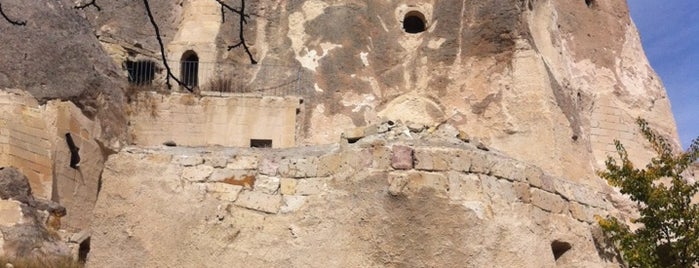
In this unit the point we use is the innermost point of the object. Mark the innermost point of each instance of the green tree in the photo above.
(668, 235)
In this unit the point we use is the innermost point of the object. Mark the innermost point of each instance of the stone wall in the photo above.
(32, 139)
(26, 141)
(384, 200)
(225, 120)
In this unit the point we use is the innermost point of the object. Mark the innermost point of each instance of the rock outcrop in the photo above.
(23, 232)
(422, 133)
(57, 56)
(566, 76)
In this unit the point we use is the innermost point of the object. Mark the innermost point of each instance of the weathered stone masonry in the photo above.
(277, 181)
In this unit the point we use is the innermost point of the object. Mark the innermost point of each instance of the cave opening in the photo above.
(559, 248)
(414, 22)
(590, 3)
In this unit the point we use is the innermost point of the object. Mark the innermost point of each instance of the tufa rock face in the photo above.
(519, 76)
(57, 56)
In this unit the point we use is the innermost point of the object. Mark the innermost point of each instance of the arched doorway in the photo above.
(189, 69)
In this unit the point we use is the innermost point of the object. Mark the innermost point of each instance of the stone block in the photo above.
(244, 162)
(298, 167)
(431, 159)
(259, 201)
(224, 191)
(292, 203)
(547, 201)
(311, 186)
(581, 212)
(354, 134)
(481, 161)
(464, 186)
(197, 173)
(421, 180)
(401, 157)
(533, 174)
(508, 169)
(498, 188)
(288, 186)
(222, 174)
(268, 167)
(522, 190)
(579, 193)
(397, 181)
(536, 178)
(217, 161)
(381, 157)
(267, 184)
(188, 160)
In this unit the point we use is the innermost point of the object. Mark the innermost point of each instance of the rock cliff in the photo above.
(415, 133)
(524, 75)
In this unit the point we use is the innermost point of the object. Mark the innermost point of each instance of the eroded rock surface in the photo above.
(520, 76)
(56, 55)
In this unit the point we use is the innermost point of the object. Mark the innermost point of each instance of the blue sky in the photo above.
(670, 36)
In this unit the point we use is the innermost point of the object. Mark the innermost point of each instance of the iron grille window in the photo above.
(141, 72)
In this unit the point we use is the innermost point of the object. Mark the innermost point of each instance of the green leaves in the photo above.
(669, 232)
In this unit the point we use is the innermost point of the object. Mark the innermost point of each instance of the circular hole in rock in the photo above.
(414, 22)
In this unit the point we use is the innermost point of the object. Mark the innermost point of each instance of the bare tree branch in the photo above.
(91, 3)
(240, 12)
(13, 22)
(242, 22)
(162, 51)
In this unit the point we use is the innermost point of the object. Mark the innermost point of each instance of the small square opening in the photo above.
(256, 143)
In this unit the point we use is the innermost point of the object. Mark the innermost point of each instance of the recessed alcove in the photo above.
(141, 72)
(189, 69)
(559, 248)
(414, 22)
(590, 3)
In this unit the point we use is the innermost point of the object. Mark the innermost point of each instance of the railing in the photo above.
(258, 79)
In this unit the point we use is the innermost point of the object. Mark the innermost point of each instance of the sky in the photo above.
(670, 36)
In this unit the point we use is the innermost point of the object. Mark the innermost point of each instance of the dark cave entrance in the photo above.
(414, 22)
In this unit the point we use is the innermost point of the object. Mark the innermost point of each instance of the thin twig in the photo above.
(242, 22)
(240, 12)
(91, 3)
(13, 22)
(162, 51)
